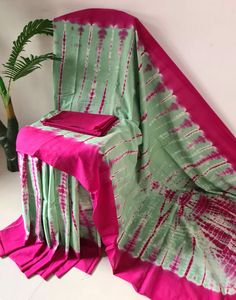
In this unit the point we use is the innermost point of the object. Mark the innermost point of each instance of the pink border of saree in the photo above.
(147, 279)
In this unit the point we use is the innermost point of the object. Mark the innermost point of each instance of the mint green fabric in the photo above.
(174, 192)
(83, 76)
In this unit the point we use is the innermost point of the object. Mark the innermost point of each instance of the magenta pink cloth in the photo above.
(45, 146)
(35, 257)
(92, 124)
(142, 275)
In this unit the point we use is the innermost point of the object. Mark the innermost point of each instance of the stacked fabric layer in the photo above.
(92, 124)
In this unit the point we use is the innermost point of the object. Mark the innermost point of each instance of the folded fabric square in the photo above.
(92, 124)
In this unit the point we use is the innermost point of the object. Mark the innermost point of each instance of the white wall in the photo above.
(198, 35)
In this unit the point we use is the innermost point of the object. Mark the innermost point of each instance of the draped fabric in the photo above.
(157, 192)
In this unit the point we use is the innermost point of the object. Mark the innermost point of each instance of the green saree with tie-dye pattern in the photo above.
(157, 192)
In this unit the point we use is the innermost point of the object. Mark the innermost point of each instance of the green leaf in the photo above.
(39, 26)
(26, 65)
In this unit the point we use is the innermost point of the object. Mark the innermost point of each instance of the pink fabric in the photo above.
(101, 17)
(156, 283)
(189, 97)
(35, 257)
(148, 279)
(142, 275)
(72, 156)
(92, 124)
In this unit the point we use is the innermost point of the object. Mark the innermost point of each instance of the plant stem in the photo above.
(3, 137)
(8, 137)
(9, 110)
(12, 131)
(9, 86)
(3, 132)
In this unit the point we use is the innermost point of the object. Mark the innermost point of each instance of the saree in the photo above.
(157, 192)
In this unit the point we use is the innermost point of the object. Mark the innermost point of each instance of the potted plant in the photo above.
(15, 68)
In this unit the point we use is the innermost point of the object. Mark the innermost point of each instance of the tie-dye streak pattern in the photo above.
(175, 192)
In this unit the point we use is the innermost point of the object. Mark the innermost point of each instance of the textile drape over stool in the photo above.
(157, 192)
